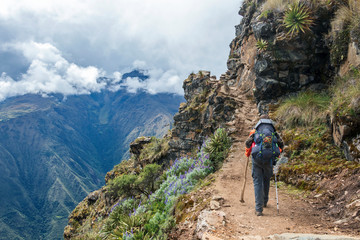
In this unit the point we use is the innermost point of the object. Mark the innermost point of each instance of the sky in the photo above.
(64, 46)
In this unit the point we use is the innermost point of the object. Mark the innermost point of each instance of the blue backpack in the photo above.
(266, 148)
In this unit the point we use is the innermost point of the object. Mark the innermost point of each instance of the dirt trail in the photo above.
(295, 216)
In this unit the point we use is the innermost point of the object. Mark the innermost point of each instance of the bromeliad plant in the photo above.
(298, 19)
(262, 45)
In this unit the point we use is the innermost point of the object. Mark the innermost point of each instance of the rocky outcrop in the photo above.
(352, 60)
(286, 65)
(346, 134)
(208, 106)
(346, 129)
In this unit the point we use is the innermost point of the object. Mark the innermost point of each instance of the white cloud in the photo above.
(173, 38)
(159, 81)
(49, 73)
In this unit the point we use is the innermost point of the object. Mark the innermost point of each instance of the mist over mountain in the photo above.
(55, 150)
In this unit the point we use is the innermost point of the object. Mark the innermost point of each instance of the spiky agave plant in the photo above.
(218, 147)
(298, 19)
(262, 45)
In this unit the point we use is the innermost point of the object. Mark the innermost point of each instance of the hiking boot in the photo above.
(258, 213)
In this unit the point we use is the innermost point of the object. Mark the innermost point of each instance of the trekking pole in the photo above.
(277, 198)
(244, 183)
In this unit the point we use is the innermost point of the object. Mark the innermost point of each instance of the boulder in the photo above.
(262, 30)
(137, 145)
(93, 197)
(267, 89)
(214, 205)
(260, 66)
(233, 64)
(209, 220)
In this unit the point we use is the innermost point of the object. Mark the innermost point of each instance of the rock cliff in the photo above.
(207, 107)
(285, 65)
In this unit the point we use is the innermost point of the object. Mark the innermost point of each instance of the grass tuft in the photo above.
(277, 5)
(346, 95)
(305, 109)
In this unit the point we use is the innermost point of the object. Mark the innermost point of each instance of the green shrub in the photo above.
(123, 185)
(147, 179)
(298, 19)
(218, 147)
(305, 109)
(128, 185)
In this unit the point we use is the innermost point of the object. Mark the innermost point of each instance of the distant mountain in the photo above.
(53, 152)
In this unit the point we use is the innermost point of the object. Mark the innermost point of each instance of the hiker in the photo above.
(264, 145)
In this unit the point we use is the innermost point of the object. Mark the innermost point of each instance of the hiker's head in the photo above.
(264, 116)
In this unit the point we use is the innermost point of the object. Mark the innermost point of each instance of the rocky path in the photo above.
(232, 219)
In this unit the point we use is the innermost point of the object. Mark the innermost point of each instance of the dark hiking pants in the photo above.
(261, 173)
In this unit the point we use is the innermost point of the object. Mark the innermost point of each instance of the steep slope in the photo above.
(207, 107)
(53, 152)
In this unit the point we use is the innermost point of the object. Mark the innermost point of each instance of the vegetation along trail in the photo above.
(240, 222)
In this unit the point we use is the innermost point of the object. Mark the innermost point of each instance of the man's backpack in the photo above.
(266, 148)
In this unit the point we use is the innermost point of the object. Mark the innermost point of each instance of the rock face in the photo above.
(207, 107)
(346, 130)
(287, 65)
(346, 134)
(352, 60)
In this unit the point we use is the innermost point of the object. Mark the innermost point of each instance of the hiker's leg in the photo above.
(257, 175)
(268, 171)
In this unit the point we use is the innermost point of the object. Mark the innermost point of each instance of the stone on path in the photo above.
(209, 221)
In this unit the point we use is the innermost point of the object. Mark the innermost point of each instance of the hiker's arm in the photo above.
(249, 141)
(280, 141)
